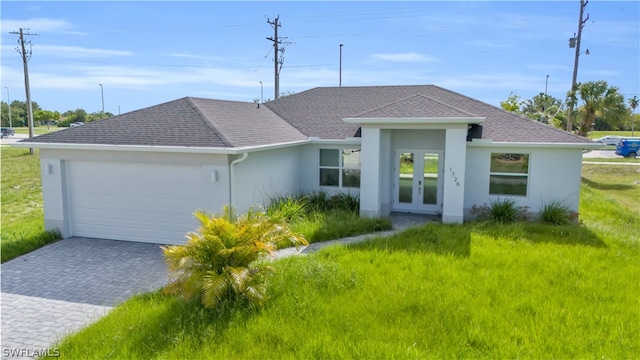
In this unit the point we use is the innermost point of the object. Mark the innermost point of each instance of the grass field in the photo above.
(478, 290)
(22, 211)
(38, 130)
(598, 134)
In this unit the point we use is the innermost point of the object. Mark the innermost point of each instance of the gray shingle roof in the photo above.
(189, 122)
(318, 112)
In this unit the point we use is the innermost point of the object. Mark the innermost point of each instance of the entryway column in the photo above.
(454, 174)
(370, 172)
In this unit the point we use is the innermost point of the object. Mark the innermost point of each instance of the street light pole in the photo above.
(261, 92)
(9, 104)
(546, 85)
(102, 93)
(340, 83)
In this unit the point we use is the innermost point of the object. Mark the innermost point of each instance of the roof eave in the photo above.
(417, 120)
(490, 143)
(156, 148)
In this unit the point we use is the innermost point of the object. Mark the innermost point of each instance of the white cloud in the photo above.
(403, 57)
(39, 25)
(79, 52)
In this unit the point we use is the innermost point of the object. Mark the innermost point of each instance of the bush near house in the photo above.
(221, 261)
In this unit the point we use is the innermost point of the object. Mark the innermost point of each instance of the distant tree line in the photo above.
(45, 117)
(597, 106)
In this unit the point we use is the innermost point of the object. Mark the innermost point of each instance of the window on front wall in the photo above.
(509, 174)
(340, 168)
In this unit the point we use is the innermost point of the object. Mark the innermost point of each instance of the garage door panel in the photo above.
(137, 202)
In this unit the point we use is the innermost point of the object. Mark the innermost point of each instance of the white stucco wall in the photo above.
(554, 175)
(266, 174)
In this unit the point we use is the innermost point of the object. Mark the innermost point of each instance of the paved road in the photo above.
(62, 287)
(12, 139)
(600, 154)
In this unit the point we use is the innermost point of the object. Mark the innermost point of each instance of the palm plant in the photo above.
(633, 104)
(601, 101)
(221, 261)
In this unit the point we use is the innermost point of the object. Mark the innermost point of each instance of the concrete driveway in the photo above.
(64, 286)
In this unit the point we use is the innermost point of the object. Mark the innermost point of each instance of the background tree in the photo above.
(602, 101)
(543, 108)
(18, 113)
(46, 116)
(633, 105)
(512, 103)
(79, 115)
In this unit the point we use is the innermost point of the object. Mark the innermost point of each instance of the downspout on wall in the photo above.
(232, 177)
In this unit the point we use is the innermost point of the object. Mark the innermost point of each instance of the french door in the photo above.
(418, 181)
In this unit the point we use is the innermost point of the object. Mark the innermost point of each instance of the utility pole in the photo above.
(277, 61)
(575, 42)
(25, 58)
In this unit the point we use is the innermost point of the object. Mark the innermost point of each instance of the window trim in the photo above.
(511, 174)
(341, 168)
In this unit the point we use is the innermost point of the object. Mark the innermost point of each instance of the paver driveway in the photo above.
(64, 286)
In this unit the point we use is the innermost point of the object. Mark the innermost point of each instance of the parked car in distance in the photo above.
(609, 140)
(76, 124)
(8, 132)
(628, 147)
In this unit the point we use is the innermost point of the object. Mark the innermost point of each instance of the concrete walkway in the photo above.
(62, 287)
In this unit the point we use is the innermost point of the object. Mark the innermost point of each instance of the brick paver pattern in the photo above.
(64, 286)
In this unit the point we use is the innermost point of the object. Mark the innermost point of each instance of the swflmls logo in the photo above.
(29, 352)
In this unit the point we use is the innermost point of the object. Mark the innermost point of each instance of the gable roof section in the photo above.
(186, 122)
(417, 106)
(319, 112)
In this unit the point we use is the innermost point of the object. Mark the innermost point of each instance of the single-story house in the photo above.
(420, 148)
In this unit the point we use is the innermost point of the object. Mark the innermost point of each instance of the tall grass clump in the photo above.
(555, 213)
(219, 262)
(320, 217)
(503, 211)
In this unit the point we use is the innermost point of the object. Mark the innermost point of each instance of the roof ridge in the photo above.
(209, 123)
(419, 94)
(449, 106)
(385, 105)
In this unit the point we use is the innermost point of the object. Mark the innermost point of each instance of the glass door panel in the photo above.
(430, 171)
(405, 178)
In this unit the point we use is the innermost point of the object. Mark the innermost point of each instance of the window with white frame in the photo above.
(340, 168)
(509, 174)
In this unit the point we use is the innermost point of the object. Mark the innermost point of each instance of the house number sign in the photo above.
(453, 175)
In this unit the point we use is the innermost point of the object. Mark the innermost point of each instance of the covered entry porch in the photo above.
(414, 165)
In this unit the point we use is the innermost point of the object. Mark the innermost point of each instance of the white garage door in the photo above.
(136, 202)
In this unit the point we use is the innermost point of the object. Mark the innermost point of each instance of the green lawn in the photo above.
(598, 134)
(478, 290)
(38, 130)
(22, 211)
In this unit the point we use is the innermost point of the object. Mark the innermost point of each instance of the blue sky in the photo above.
(150, 52)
